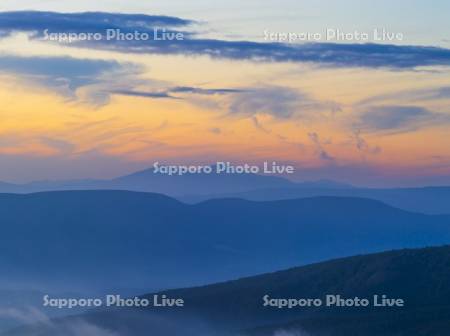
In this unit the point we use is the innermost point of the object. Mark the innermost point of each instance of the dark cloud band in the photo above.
(327, 54)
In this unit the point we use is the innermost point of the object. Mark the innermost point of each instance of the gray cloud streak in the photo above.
(327, 54)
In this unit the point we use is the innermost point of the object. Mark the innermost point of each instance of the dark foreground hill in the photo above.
(420, 277)
(115, 239)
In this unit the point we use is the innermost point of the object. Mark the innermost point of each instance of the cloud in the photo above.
(64, 75)
(215, 130)
(298, 145)
(37, 21)
(195, 90)
(80, 69)
(318, 144)
(277, 101)
(259, 126)
(423, 94)
(362, 145)
(11, 142)
(164, 125)
(143, 94)
(91, 80)
(172, 91)
(62, 146)
(56, 71)
(327, 54)
(396, 118)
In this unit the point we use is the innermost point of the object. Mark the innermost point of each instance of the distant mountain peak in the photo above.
(324, 184)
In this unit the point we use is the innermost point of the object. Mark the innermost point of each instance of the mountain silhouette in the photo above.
(118, 239)
(150, 181)
(428, 200)
(195, 188)
(200, 184)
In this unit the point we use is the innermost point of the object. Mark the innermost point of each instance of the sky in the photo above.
(367, 112)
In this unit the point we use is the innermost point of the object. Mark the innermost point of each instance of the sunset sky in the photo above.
(367, 114)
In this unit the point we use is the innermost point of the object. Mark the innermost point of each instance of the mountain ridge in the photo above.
(194, 188)
(163, 242)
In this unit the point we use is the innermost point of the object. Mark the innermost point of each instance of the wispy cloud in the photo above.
(177, 92)
(415, 95)
(66, 75)
(259, 126)
(91, 80)
(202, 91)
(215, 130)
(397, 119)
(277, 101)
(143, 94)
(319, 147)
(362, 145)
(67, 72)
(62, 146)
